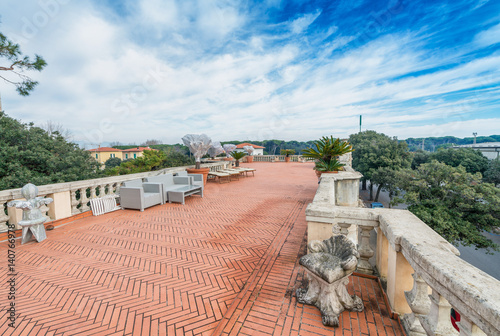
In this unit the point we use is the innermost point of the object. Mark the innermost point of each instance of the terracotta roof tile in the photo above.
(105, 149)
(248, 144)
(137, 149)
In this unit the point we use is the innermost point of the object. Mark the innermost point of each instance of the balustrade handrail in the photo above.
(469, 290)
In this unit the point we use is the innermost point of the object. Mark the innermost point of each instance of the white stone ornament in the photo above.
(33, 219)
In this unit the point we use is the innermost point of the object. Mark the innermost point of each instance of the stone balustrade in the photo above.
(71, 198)
(276, 158)
(424, 275)
(346, 159)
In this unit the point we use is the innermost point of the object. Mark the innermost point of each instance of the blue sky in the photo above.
(129, 71)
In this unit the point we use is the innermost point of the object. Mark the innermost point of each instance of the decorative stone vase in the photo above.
(203, 171)
(328, 267)
(249, 158)
(287, 159)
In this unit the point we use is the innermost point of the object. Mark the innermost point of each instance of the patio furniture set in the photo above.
(136, 194)
(154, 190)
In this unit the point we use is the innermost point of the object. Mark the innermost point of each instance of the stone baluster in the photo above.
(365, 251)
(3, 217)
(116, 188)
(344, 228)
(74, 203)
(44, 208)
(467, 328)
(106, 189)
(102, 190)
(418, 300)
(437, 322)
(84, 200)
(93, 191)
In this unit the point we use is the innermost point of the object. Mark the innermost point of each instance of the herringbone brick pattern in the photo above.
(219, 265)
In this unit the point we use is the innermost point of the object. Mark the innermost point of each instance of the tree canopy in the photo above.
(30, 154)
(375, 154)
(456, 204)
(434, 143)
(471, 159)
(17, 63)
(492, 173)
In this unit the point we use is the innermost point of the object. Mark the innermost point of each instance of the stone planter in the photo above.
(287, 159)
(249, 158)
(203, 171)
(318, 173)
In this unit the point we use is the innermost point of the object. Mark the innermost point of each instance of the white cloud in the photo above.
(301, 23)
(172, 68)
(488, 37)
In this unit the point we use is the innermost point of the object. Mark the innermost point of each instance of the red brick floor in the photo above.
(225, 264)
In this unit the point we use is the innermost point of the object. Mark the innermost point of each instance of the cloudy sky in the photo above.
(129, 70)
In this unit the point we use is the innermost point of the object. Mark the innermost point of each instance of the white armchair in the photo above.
(138, 195)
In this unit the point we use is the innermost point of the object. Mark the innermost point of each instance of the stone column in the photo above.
(62, 205)
(15, 215)
(74, 203)
(467, 328)
(382, 253)
(365, 250)
(347, 188)
(93, 191)
(318, 230)
(3, 217)
(418, 300)
(437, 322)
(344, 228)
(399, 280)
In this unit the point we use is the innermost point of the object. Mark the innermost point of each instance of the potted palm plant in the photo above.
(238, 156)
(287, 153)
(198, 144)
(326, 152)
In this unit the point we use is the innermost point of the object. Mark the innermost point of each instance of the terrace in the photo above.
(227, 264)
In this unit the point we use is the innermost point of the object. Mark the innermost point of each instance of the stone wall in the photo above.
(424, 275)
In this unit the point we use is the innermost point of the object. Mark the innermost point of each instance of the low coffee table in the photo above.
(178, 194)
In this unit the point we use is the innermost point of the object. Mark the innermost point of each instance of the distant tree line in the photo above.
(432, 144)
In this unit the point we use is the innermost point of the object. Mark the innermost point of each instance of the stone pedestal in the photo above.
(330, 298)
(31, 231)
(328, 267)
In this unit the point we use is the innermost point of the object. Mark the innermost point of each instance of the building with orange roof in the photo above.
(102, 154)
(258, 150)
(133, 153)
